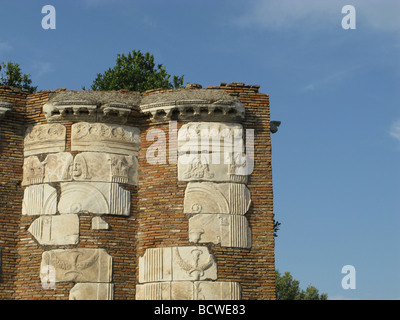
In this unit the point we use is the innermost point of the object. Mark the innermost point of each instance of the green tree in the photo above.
(288, 288)
(11, 75)
(136, 72)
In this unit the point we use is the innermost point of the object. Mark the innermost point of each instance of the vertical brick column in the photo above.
(11, 160)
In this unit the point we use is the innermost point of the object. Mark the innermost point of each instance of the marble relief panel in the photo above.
(177, 263)
(189, 290)
(78, 265)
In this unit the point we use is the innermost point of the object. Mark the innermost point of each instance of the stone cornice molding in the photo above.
(195, 110)
(87, 110)
(91, 106)
(4, 107)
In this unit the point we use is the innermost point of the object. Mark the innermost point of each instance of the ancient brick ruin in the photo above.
(97, 204)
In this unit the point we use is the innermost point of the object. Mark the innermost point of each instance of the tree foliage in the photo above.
(11, 75)
(136, 72)
(288, 288)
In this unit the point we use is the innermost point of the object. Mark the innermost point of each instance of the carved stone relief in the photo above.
(224, 229)
(86, 110)
(188, 290)
(56, 230)
(177, 264)
(211, 137)
(94, 197)
(87, 167)
(92, 291)
(78, 265)
(209, 197)
(33, 171)
(102, 137)
(195, 109)
(39, 199)
(57, 167)
(200, 167)
(103, 167)
(44, 138)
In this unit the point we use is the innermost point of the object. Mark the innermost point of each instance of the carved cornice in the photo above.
(191, 104)
(195, 110)
(4, 107)
(86, 110)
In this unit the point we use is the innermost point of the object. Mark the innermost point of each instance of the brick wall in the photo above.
(156, 220)
(11, 160)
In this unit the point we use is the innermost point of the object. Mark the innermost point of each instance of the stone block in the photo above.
(86, 166)
(104, 167)
(40, 199)
(102, 137)
(209, 197)
(44, 138)
(94, 197)
(224, 229)
(92, 291)
(189, 290)
(177, 264)
(78, 265)
(33, 171)
(98, 223)
(201, 167)
(56, 230)
(207, 137)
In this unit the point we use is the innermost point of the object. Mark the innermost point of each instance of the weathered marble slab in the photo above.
(92, 291)
(200, 167)
(188, 290)
(78, 265)
(224, 229)
(177, 263)
(39, 199)
(87, 166)
(104, 167)
(94, 197)
(210, 137)
(44, 138)
(56, 229)
(33, 171)
(102, 137)
(209, 197)
(98, 223)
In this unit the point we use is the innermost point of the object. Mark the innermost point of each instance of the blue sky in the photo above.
(335, 158)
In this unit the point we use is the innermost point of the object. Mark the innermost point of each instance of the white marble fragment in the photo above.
(98, 223)
(177, 263)
(57, 167)
(189, 290)
(33, 171)
(208, 137)
(44, 138)
(104, 167)
(40, 199)
(105, 137)
(78, 265)
(202, 167)
(224, 229)
(94, 197)
(209, 197)
(56, 229)
(92, 291)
